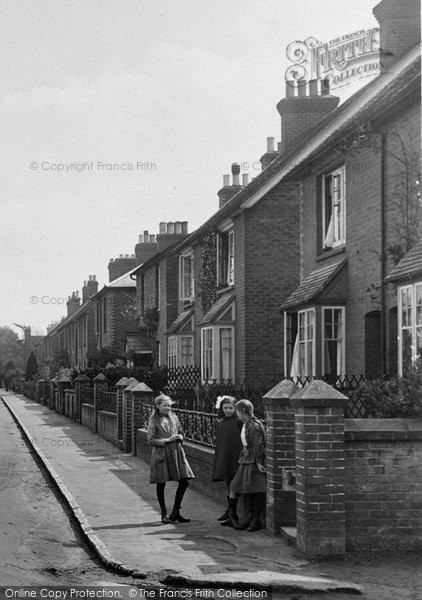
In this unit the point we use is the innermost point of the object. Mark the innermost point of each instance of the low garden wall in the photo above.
(88, 416)
(107, 426)
(383, 483)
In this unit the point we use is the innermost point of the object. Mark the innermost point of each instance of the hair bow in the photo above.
(220, 399)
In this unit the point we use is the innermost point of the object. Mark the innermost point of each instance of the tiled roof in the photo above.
(218, 307)
(404, 80)
(313, 285)
(409, 267)
(180, 321)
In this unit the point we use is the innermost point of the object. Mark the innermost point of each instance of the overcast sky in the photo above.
(189, 86)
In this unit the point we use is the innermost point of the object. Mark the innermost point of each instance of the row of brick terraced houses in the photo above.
(298, 272)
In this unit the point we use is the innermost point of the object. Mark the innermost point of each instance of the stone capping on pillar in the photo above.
(100, 378)
(320, 470)
(142, 387)
(82, 378)
(122, 383)
(280, 451)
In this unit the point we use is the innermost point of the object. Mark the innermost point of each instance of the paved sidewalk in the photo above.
(109, 493)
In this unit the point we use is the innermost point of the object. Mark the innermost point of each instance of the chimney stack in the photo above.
(73, 303)
(120, 266)
(146, 248)
(301, 111)
(90, 288)
(170, 233)
(400, 29)
(270, 154)
(227, 192)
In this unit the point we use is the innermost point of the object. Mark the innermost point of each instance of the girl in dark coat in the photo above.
(250, 477)
(168, 459)
(228, 446)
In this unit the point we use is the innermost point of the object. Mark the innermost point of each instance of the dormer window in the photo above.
(334, 208)
(225, 258)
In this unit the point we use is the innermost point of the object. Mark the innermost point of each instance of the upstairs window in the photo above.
(334, 208)
(186, 284)
(225, 258)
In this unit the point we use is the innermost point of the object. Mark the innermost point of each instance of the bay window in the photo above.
(333, 354)
(217, 353)
(410, 326)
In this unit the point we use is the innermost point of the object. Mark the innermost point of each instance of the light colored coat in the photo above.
(168, 460)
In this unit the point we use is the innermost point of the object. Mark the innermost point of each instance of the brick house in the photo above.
(228, 290)
(358, 175)
(288, 239)
(407, 276)
(156, 285)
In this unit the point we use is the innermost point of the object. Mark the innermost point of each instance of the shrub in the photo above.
(393, 398)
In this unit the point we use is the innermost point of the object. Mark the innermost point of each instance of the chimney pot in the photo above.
(313, 87)
(226, 180)
(178, 227)
(145, 232)
(141, 238)
(236, 173)
(290, 88)
(270, 144)
(301, 89)
(184, 226)
(162, 227)
(170, 227)
(152, 239)
(245, 179)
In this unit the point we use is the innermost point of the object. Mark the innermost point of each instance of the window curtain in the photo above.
(329, 236)
(295, 367)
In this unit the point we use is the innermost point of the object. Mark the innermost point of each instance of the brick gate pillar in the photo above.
(141, 395)
(127, 415)
(82, 382)
(320, 470)
(100, 385)
(280, 451)
(63, 384)
(120, 386)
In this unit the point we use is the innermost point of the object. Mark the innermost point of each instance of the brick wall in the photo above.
(88, 416)
(121, 320)
(107, 426)
(269, 273)
(383, 484)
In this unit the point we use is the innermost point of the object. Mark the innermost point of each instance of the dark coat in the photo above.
(249, 479)
(168, 460)
(227, 449)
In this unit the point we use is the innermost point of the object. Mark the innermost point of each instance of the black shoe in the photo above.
(233, 519)
(256, 525)
(245, 525)
(176, 517)
(225, 515)
(165, 518)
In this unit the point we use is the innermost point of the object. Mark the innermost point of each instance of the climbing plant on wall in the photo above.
(208, 281)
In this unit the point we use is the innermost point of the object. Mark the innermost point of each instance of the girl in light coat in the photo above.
(168, 459)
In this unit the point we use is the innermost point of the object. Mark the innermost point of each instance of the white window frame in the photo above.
(343, 338)
(186, 294)
(229, 259)
(413, 328)
(183, 356)
(216, 353)
(207, 361)
(334, 231)
(172, 352)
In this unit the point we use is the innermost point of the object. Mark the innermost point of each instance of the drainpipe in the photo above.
(383, 260)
